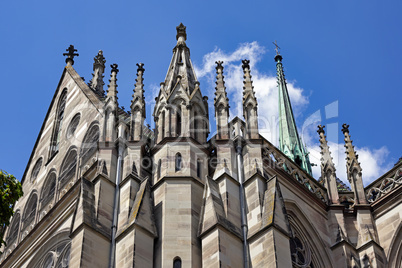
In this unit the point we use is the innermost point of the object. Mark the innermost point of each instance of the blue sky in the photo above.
(342, 61)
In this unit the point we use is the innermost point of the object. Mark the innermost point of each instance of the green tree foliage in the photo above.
(10, 192)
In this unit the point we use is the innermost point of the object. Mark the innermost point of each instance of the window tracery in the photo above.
(68, 168)
(73, 125)
(36, 169)
(90, 143)
(57, 257)
(30, 211)
(48, 189)
(54, 146)
(15, 226)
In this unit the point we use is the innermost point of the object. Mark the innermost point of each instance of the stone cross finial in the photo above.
(321, 129)
(70, 55)
(181, 31)
(345, 128)
(246, 64)
(219, 64)
(276, 47)
(140, 67)
(114, 68)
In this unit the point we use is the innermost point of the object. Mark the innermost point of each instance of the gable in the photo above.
(80, 100)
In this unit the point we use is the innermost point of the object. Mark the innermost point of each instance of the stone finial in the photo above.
(99, 60)
(70, 55)
(114, 68)
(246, 64)
(345, 128)
(181, 32)
(140, 68)
(112, 91)
(321, 129)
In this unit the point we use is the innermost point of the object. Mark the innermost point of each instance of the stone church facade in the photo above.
(104, 190)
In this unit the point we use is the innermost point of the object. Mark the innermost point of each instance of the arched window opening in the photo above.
(68, 168)
(36, 169)
(73, 125)
(178, 162)
(15, 226)
(54, 146)
(49, 189)
(58, 256)
(177, 262)
(30, 211)
(178, 121)
(199, 168)
(159, 168)
(90, 144)
(298, 161)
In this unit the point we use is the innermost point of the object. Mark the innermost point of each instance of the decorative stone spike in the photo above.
(353, 168)
(97, 77)
(328, 168)
(112, 91)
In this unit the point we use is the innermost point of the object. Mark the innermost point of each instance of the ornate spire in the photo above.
(97, 77)
(289, 140)
(181, 69)
(221, 103)
(139, 85)
(328, 168)
(353, 168)
(249, 102)
(138, 105)
(70, 55)
(112, 91)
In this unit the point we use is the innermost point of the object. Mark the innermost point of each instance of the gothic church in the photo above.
(102, 189)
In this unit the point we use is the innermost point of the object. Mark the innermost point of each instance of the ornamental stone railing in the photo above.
(280, 160)
(385, 184)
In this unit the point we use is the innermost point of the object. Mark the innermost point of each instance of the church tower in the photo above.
(180, 156)
(289, 141)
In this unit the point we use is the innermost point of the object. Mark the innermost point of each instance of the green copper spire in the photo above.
(289, 141)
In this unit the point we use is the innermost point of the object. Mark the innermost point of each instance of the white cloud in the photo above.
(265, 87)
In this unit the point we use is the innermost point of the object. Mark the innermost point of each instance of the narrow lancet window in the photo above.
(178, 123)
(30, 211)
(199, 168)
(177, 263)
(54, 146)
(178, 162)
(159, 168)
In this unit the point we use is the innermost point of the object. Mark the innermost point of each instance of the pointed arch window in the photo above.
(30, 211)
(15, 226)
(178, 162)
(68, 168)
(49, 189)
(90, 144)
(54, 146)
(177, 262)
(36, 169)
